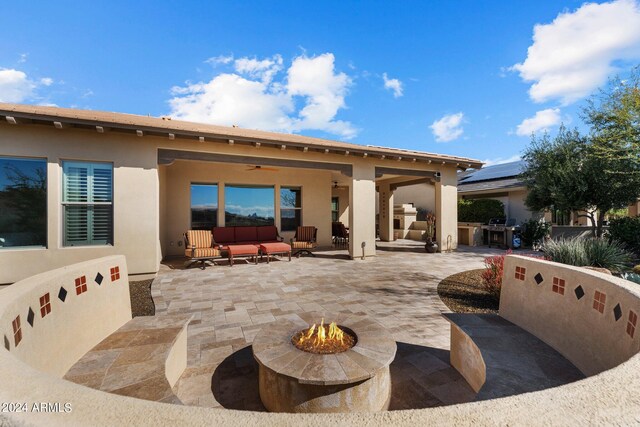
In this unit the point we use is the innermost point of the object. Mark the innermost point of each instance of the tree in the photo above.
(565, 173)
(594, 173)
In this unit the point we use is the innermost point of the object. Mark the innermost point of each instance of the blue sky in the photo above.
(465, 78)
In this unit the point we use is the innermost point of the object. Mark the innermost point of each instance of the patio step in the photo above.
(143, 359)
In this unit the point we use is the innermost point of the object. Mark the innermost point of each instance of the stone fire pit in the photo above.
(355, 380)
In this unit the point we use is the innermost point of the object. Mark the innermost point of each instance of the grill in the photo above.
(499, 231)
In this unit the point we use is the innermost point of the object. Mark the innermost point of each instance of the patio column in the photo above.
(447, 209)
(362, 212)
(385, 211)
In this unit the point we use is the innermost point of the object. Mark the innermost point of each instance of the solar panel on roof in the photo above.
(505, 170)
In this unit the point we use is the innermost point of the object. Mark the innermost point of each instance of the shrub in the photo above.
(534, 232)
(479, 210)
(493, 274)
(594, 252)
(636, 269)
(632, 277)
(627, 231)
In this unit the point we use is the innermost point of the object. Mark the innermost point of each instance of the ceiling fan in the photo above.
(261, 168)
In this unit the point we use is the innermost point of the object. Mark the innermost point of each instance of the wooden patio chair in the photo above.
(341, 234)
(199, 247)
(305, 240)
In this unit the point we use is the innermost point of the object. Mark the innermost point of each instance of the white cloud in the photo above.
(15, 86)
(253, 97)
(23, 58)
(220, 59)
(573, 55)
(394, 85)
(263, 69)
(542, 120)
(46, 81)
(500, 160)
(448, 127)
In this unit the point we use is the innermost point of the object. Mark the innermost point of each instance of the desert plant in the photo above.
(595, 252)
(534, 232)
(627, 231)
(636, 269)
(632, 277)
(430, 219)
(493, 274)
(479, 210)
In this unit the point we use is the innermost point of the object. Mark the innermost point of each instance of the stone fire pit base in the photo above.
(356, 380)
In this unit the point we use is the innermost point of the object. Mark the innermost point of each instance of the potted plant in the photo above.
(430, 246)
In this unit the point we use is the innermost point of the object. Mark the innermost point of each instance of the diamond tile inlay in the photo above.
(6, 343)
(579, 292)
(30, 316)
(538, 278)
(99, 278)
(62, 294)
(617, 312)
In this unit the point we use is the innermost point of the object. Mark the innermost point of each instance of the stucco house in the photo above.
(77, 185)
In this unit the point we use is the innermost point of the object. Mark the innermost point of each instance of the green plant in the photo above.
(594, 252)
(632, 277)
(479, 210)
(627, 231)
(534, 232)
(636, 269)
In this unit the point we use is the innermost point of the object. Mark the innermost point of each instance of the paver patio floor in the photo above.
(397, 288)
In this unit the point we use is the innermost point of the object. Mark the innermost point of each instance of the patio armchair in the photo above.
(304, 240)
(340, 234)
(199, 247)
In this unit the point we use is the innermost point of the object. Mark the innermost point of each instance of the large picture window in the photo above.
(88, 203)
(290, 208)
(204, 206)
(23, 202)
(248, 205)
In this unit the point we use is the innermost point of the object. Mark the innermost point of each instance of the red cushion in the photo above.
(267, 232)
(224, 235)
(246, 234)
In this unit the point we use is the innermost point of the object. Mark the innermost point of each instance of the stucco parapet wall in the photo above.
(20, 113)
(610, 397)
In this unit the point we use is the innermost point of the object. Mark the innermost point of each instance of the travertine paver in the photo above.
(397, 288)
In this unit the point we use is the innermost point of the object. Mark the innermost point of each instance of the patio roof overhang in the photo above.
(165, 127)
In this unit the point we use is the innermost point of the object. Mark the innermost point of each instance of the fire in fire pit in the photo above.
(324, 339)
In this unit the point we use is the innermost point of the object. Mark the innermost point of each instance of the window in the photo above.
(23, 202)
(246, 205)
(290, 208)
(335, 209)
(204, 206)
(88, 203)
(560, 217)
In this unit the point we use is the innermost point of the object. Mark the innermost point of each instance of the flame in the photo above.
(320, 336)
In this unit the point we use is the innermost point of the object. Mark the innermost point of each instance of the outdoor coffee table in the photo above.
(275, 248)
(242, 250)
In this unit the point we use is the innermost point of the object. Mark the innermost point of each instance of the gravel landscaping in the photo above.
(463, 293)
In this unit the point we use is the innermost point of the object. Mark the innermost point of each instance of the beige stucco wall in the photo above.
(59, 339)
(151, 202)
(421, 195)
(135, 197)
(592, 341)
(316, 196)
(343, 204)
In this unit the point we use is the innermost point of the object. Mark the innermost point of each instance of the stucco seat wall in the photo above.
(87, 302)
(557, 303)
